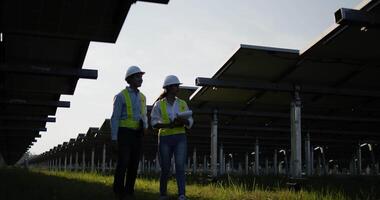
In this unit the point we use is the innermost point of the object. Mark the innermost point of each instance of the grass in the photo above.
(42, 184)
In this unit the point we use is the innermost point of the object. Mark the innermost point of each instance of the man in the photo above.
(128, 124)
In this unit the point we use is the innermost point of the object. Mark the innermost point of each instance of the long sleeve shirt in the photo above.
(120, 111)
(172, 111)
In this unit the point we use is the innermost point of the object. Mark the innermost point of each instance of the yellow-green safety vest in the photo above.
(166, 120)
(130, 122)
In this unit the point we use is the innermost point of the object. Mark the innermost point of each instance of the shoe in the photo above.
(163, 198)
(182, 197)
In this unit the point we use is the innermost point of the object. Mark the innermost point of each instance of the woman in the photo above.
(171, 116)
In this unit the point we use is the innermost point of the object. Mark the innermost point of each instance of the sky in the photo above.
(186, 38)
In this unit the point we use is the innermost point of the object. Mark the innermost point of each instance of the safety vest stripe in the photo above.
(130, 122)
(166, 120)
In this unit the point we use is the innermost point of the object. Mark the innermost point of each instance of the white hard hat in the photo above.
(171, 80)
(133, 70)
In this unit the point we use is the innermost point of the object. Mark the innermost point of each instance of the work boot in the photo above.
(182, 197)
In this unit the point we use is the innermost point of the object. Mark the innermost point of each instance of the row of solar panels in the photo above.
(42, 48)
(253, 91)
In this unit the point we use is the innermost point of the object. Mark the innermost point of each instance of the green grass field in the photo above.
(41, 184)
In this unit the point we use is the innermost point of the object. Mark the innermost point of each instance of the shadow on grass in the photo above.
(19, 184)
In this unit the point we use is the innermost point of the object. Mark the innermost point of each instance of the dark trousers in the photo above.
(129, 143)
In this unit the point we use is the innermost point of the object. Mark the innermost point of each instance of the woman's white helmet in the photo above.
(171, 80)
(133, 70)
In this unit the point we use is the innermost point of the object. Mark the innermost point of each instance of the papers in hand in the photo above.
(185, 114)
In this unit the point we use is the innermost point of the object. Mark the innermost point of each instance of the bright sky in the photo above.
(187, 38)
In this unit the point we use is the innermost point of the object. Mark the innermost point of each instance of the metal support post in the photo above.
(59, 164)
(246, 163)
(104, 158)
(205, 164)
(195, 160)
(359, 160)
(257, 161)
(295, 116)
(76, 161)
(214, 144)
(312, 160)
(188, 163)
(275, 164)
(157, 163)
(222, 161)
(325, 166)
(83, 160)
(65, 163)
(93, 160)
(307, 155)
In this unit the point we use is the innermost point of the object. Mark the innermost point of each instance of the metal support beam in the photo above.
(84, 160)
(307, 155)
(296, 155)
(319, 165)
(23, 129)
(240, 169)
(257, 161)
(359, 160)
(188, 163)
(63, 104)
(65, 163)
(110, 165)
(214, 144)
(27, 118)
(76, 161)
(351, 167)
(157, 163)
(373, 159)
(284, 115)
(149, 166)
(355, 166)
(312, 160)
(59, 164)
(156, 1)
(71, 162)
(275, 163)
(104, 159)
(324, 164)
(222, 163)
(286, 130)
(64, 89)
(49, 71)
(195, 160)
(246, 163)
(346, 16)
(205, 164)
(284, 87)
(93, 159)
(143, 164)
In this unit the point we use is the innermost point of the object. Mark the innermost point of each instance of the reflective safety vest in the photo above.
(130, 122)
(166, 119)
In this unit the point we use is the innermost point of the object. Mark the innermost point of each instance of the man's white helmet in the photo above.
(133, 70)
(171, 80)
